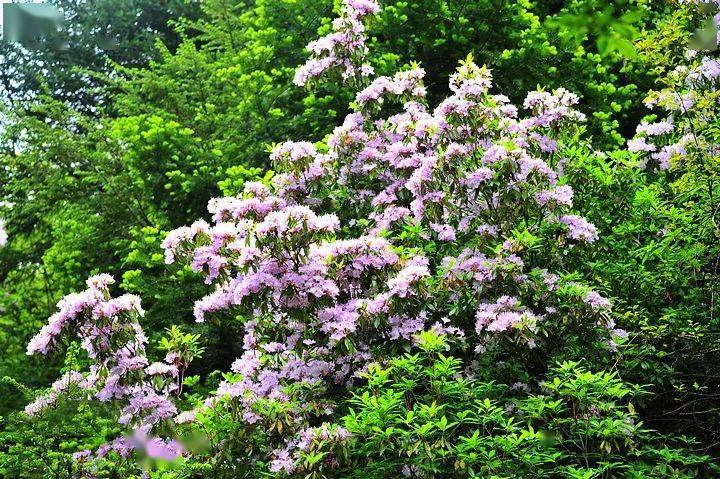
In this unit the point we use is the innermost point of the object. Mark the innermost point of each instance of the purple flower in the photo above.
(502, 315)
(596, 302)
(185, 417)
(405, 327)
(707, 72)
(640, 144)
(340, 48)
(579, 228)
(161, 369)
(282, 463)
(411, 274)
(560, 195)
(157, 448)
(654, 129)
(81, 455)
(339, 321)
(444, 232)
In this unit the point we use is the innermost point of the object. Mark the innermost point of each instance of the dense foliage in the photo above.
(445, 239)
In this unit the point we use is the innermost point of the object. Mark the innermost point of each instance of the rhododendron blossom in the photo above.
(112, 337)
(344, 48)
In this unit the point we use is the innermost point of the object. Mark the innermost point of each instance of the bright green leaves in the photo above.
(614, 29)
(418, 413)
(187, 346)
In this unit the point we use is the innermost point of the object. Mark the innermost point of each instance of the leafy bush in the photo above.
(420, 415)
(540, 269)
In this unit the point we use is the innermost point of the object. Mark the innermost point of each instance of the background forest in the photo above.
(417, 238)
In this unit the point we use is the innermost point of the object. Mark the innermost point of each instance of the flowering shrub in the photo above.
(678, 147)
(322, 295)
(477, 181)
(441, 223)
(197, 121)
(657, 249)
(690, 100)
(113, 339)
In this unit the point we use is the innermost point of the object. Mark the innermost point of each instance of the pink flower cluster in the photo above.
(344, 48)
(403, 83)
(285, 459)
(114, 340)
(64, 385)
(549, 108)
(579, 228)
(72, 313)
(502, 315)
(644, 143)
